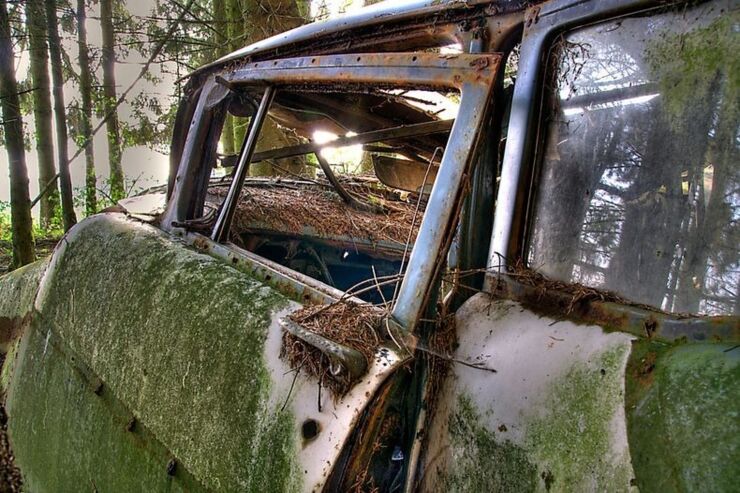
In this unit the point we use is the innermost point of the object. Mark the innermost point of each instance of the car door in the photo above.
(156, 360)
(602, 353)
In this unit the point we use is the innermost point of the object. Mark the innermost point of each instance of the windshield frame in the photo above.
(472, 75)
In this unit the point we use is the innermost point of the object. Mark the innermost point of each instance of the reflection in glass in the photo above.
(639, 190)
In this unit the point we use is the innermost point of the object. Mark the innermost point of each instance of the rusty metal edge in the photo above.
(392, 69)
(638, 320)
(366, 17)
(294, 285)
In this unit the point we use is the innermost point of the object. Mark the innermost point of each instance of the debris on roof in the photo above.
(295, 207)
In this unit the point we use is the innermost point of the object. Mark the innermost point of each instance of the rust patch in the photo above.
(201, 244)
(643, 370)
(549, 301)
(575, 302)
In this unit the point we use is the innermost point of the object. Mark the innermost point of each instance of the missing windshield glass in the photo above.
(338, 181)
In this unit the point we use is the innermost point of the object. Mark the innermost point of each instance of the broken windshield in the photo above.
(405, 137)
(355, 168)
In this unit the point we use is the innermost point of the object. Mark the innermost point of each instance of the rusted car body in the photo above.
(550, 279)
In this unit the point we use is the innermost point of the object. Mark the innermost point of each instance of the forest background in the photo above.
(89, 90)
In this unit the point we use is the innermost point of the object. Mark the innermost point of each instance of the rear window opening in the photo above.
(344, 214)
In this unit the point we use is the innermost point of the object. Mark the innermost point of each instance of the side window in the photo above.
(639, 188)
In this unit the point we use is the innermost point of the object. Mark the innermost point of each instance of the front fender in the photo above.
(150, 366)
(17, 295)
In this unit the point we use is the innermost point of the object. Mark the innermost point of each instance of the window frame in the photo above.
(473, 75)
(542, 26)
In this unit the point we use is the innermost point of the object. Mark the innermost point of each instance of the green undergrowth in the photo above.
(45, 238)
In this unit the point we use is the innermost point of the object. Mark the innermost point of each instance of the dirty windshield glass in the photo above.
(639, 188)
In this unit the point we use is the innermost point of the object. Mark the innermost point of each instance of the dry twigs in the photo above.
(352, 325)
(293, 209)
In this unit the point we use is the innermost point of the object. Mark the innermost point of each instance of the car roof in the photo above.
(379, 13)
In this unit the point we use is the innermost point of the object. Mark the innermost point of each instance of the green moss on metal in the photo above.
(65, 437)
(572, 441)
(682, 415)
(17, 295)
(178, 337)
(18, 289)
(479, 462)
(8, 365)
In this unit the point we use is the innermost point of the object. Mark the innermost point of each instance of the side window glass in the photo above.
(639, 188)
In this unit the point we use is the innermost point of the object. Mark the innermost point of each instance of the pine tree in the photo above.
(249, 22)
(60, 115)
(20, 200)
(42, 115)
(91, 205)
(109, 93)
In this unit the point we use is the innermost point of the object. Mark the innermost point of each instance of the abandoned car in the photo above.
(529, 283)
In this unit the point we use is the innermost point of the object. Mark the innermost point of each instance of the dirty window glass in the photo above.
(639, 190)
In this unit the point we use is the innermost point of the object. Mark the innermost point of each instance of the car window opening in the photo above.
(338, 183)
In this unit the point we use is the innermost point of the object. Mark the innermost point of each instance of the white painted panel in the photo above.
(551, 417)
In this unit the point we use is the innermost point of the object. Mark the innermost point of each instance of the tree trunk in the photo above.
(60, 115)
(109, 94)
(39, 69)
(249, 22)
(91, 205)
(20, 200)
(707, 229)
(222, 41)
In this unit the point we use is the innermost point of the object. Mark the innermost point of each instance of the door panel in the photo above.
(551, 417)
(618, 202)
(166, 361)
